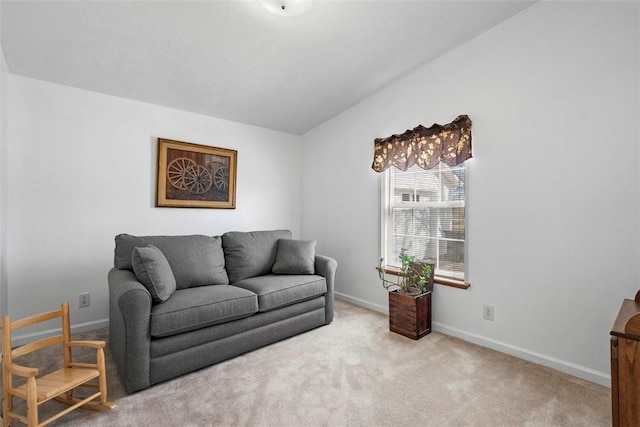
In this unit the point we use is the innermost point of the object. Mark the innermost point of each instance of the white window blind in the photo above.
(423, 211)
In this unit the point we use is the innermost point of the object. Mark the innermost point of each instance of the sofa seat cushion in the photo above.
(275, 291)
(194, 308)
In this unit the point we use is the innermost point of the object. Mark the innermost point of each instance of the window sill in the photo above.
(454, 283)
(444, 281)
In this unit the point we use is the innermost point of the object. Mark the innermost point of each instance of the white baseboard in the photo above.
(362, 303)
(541, 359)
(570, 368)
(19, 340)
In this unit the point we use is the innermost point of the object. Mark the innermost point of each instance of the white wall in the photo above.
(553, 203)
(82, 168)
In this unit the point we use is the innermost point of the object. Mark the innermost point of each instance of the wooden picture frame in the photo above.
(195, 176)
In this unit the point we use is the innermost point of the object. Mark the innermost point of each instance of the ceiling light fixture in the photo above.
(286, 7)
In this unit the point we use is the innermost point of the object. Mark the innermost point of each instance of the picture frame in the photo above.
(195, 176)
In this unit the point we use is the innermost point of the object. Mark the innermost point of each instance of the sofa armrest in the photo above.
(326, 267)
(129, 328)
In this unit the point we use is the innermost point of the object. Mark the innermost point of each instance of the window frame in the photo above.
(385, 214)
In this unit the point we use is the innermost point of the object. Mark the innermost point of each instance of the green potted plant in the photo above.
(409, 295)
(415, 277)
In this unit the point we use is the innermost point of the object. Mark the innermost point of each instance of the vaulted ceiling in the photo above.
(234, 60)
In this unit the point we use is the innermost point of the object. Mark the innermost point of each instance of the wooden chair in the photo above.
(58, 385)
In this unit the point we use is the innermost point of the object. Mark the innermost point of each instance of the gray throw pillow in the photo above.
(295, 257)
(153, 271)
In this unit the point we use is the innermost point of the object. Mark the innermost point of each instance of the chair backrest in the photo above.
(8, 327)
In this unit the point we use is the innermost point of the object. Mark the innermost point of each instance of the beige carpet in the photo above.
(355, 372)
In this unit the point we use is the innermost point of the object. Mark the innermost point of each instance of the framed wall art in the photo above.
(195, 176)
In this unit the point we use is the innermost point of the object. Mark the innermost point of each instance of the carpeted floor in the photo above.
(355, 372)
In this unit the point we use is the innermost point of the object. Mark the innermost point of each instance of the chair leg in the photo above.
(102, 379)
(32, 403)
(7, 398)
(7, 406)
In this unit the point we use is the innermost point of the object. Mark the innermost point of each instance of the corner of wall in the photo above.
(4, 74)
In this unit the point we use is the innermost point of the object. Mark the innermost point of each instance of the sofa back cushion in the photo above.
(250, 254)
(195, 260)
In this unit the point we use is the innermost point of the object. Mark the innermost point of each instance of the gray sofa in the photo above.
(180, 303)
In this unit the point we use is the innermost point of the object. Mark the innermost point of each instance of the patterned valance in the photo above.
(426, 147)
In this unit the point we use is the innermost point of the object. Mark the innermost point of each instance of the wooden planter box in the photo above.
(409, 315)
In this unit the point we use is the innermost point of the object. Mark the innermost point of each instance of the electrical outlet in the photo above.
(84, 299)
(487, 312)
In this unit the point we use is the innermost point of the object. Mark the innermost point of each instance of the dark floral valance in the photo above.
(426, 147)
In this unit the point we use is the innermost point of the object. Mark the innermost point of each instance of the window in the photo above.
(423, 211)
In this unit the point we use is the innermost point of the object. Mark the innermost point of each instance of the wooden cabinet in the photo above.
(625, 365)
